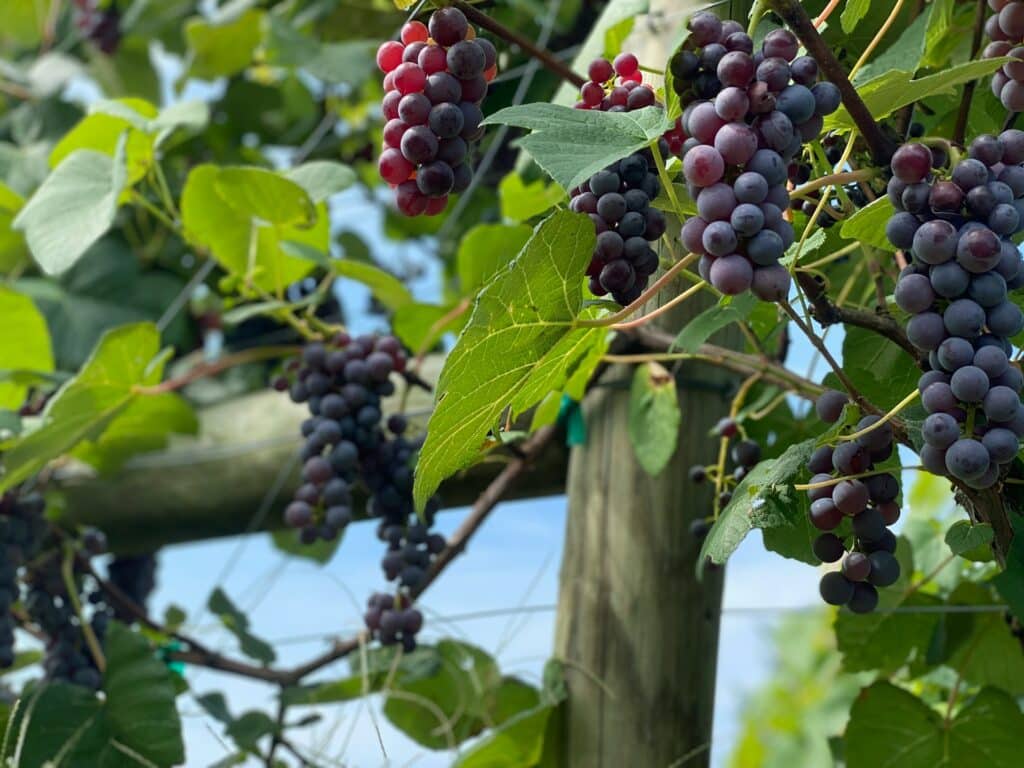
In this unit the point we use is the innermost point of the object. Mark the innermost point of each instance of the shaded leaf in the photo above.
(654, 417)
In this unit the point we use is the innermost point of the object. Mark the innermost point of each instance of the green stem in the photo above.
(755, 16)
(67, 571)
(666, 182)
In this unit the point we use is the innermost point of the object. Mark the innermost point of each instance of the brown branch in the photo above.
(254, 355)
(545, 57)
(793, 13)
(965, 101)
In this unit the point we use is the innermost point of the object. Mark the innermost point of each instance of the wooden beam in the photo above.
(222, 481)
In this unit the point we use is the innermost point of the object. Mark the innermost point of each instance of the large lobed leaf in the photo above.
(24, 345)
(520, 343)
(571, 145)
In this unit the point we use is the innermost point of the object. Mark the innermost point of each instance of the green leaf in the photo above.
(102, 131)
(485, 250)
(766, 499)
(322, 178)
(521, 201)
(981, 647)
(73, 208)
(653, 417)
(140, 711)
(519, 344)
(887, 93)
(237, 623)
(516, 743)
(964, 536)
(383, 667)
(249, 728)
(883, 372)
(143, 426)
(245, 216)
(885, 640)
(320, 552)
(419, 325)
(904, 54)
(891, 728)
(868, 225)
(853, 13)
(13, 249)
(571, 145)
(386, 288)
(56, 713)
(219, 49)
(1010, 583)
(712, 320)
(349, 62)
(24, 344)
(90, 402)
(940, 25)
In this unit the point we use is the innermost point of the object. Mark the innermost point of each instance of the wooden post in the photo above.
(636, 630)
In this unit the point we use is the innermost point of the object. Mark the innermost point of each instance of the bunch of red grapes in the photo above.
(1005, 28)
(434, 82)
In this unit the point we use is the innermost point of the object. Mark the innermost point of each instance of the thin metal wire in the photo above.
(185, 294)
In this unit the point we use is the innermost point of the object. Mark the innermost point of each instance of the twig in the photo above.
(965, 101)
(254, 355)
(544, 56)
(889, 21)
(644, 297)
(793, 13)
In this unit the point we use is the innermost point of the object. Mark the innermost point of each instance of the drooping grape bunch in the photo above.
(618, 201)
(391, 622)
(68, 656)
(135, 575)
(854, 514)
(101, 25)
(956, 234)
(435, 79)
(349, 443)
(742, 457)
(22, 527)
(1005, 30)
(747, 116)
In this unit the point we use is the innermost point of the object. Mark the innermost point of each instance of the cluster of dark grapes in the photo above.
(135, 575)
(68, 657)
(434, 82)
(747, 116)
(962, 265)
(618, 201)
(22, 527)
(867, 548)
(744, 454)
(391, 622)
(102, 26)
(348, 441)
(1005, 28)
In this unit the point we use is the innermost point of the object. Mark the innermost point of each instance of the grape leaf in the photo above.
(712, 320)
(884, 640)
(571, 145)
(653, 417)
(24, 345)
(88, 404)
(237, 623)
(963, 536)
(882, 371)
(386, 288)
(891, 728)
(520, 343)
(853, 13)
(521, 201)
(766, 499)
(887, 93)
(1010, 583)
(485, 250)
(218, 48)
(980, 646)
(322, 178)
(868, 225)
(74, 206)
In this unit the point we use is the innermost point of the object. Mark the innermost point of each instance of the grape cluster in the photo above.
(135, 575)
(854, 515)
(348, 441)
(22, 527)
(434, 82)
(51, 608)
(743, 456)
(391, 623)
(618, 201)
(1005, 28)
(102, 26)
(747, 116)
(962, 265)
(616, 86)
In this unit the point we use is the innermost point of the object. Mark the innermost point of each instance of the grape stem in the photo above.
(960, 129)
(693, 289)
(794, 14)
(544, 56)
(890, 20)
(822, 17)
(67, 571)
(254, 355)
(820, 346)
(845, 177)
(836, 480)
(886, 418)
(644, 297)
(723, 441)
(755, 16)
